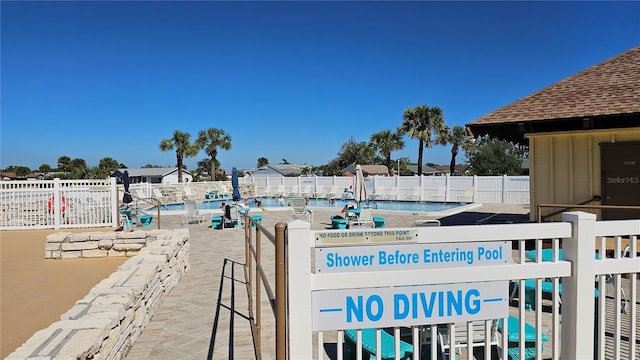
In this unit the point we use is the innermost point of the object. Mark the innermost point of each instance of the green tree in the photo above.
(457, 137)
(352, 153)
(64, 163)
(22, 171)
(262, 161)
(491, 156)
(423, 123)
(44, 168)
(210, 140)
(385, 142)
(184, 148)
(106, 166)
(78, 169)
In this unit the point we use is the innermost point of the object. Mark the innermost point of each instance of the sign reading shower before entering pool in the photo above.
(409, 305)
(411, 256)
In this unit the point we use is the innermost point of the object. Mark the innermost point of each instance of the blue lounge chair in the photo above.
(514, 337)
(369, 345)
(546, 287)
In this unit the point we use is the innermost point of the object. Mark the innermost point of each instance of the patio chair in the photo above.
(364, 219)
(267, 191)
(513, 336)
(192, 213)
(299, 209)
(280, 191)
(231, 216)
(319, 193)
(224, 192)
(461, 338)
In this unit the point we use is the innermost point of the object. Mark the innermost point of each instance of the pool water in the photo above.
(338, 203)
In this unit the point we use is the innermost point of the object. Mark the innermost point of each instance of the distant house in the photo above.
(279, 170)
(7, 176)
(458, 170)
(367, 170)
(426, 170)
(154, 175)
(583, 134)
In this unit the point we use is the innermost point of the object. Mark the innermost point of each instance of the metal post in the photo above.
(258, 285)
(281, 292)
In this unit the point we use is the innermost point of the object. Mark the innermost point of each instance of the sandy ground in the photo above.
(43, 289)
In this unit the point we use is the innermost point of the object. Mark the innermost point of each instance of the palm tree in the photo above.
(385, 142)
(210, 140)
(456, 137)
(423, 123)
(183, 146)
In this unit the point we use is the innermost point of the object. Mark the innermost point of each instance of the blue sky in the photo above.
(287, 80)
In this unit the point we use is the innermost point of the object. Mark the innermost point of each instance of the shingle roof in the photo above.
(606, 95)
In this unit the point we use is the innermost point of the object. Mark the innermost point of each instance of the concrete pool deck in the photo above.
(182, 327)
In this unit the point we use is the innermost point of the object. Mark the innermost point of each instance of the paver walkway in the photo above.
(182, 327)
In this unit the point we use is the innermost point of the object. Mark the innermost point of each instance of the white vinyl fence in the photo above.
(488, 189)
(57, 204)
(367, 279)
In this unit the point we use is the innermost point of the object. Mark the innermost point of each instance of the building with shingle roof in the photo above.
(604, 96)
(583, 134)
(154, 175)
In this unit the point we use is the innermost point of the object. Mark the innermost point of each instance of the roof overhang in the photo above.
(515, 131)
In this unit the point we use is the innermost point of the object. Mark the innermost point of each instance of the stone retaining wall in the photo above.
(98, 244)
(109, 320)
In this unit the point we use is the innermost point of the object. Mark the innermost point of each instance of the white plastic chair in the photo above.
(192, 212)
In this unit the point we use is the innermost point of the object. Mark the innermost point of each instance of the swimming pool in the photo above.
(415, 206)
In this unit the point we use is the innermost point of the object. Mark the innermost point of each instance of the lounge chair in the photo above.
(546, 287)
(299, 209)
(467, 196)
(319, 193)
(280, 191)
(267, 191)
(192, 213)
(368, 336)
(307, 191)
(187, 193)
(417, 194)
(157, 194)
(364, 219)
(513, 336)
(294, 191)
(420, 223)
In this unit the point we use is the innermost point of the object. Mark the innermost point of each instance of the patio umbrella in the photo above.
(234, 183)
(360, 192)
(125, 179)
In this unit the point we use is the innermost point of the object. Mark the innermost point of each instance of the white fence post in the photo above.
(578, 318)
(300, 326)
(114, 201)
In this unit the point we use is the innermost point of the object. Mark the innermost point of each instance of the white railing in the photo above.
(489, 189)
(576, 339)
(57, 204)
